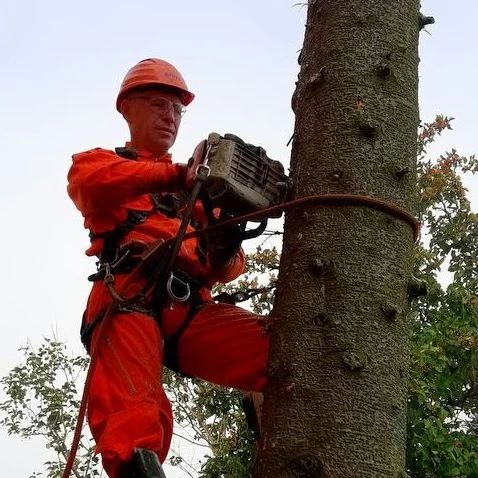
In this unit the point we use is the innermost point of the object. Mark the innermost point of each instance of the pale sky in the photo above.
(62, 63)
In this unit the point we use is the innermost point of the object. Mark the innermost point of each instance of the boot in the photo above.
(252, 405)
(143, 464)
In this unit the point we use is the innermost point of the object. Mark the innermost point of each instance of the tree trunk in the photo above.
(335, 404)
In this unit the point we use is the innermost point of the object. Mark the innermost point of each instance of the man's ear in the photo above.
(125, 109)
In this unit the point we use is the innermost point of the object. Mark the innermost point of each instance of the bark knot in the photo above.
(318, 78)
(402, 172)
(320, 319)
(320, 267)
(384, 71)
(390, 311)
(423, 21)
(305, 466)
(369, 130)
(353, 360)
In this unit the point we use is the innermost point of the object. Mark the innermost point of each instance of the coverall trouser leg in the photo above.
(225, 345)
(128, 407)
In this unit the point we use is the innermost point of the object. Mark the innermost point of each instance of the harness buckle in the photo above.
(109, 277)
(178, 289)
(202, 172)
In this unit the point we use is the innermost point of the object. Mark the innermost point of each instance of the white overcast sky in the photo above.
(61, 65)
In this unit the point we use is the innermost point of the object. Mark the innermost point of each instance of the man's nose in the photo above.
(169, 115)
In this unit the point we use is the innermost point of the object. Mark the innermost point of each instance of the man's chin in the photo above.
(165, 145)
(165, 136)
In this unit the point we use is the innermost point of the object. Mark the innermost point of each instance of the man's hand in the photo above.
(198, 157)
(223, 244)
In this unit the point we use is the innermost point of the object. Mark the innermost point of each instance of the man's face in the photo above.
(153, 117)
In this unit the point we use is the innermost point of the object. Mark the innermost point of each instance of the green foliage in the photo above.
(215, 417)
(443, 398)
(42, 400)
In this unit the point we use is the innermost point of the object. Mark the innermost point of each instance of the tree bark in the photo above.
(335, 404)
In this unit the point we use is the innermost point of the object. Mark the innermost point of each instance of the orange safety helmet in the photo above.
(153, 71)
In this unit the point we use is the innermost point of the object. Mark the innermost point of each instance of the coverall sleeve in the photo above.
(99, 179)
(232, 269)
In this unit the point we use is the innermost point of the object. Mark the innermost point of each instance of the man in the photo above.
(129, 198)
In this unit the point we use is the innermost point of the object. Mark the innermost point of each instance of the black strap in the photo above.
(169, 204)
(87, 330)
(134, 218)
(171, 344)
(112, 237)
(143, 464)
(125, 258)
(127, 152)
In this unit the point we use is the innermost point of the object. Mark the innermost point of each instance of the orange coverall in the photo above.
(223, 344)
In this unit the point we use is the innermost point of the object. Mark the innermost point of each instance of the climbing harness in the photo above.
(167, 250)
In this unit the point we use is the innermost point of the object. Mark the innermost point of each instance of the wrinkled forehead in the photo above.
(152, 93)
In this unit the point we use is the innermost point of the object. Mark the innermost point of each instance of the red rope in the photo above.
(84, 398)
(325, 199)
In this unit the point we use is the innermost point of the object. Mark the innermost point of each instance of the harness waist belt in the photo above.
(122, 267)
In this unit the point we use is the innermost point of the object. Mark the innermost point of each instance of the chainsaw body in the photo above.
(242, 177)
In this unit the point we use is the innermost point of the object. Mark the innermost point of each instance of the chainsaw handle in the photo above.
(251, 233)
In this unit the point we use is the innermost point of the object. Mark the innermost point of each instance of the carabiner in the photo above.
(185, 285)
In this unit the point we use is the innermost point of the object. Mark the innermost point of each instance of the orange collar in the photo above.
(146, 155)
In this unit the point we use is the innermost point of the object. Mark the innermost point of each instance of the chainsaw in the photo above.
(242, 178)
